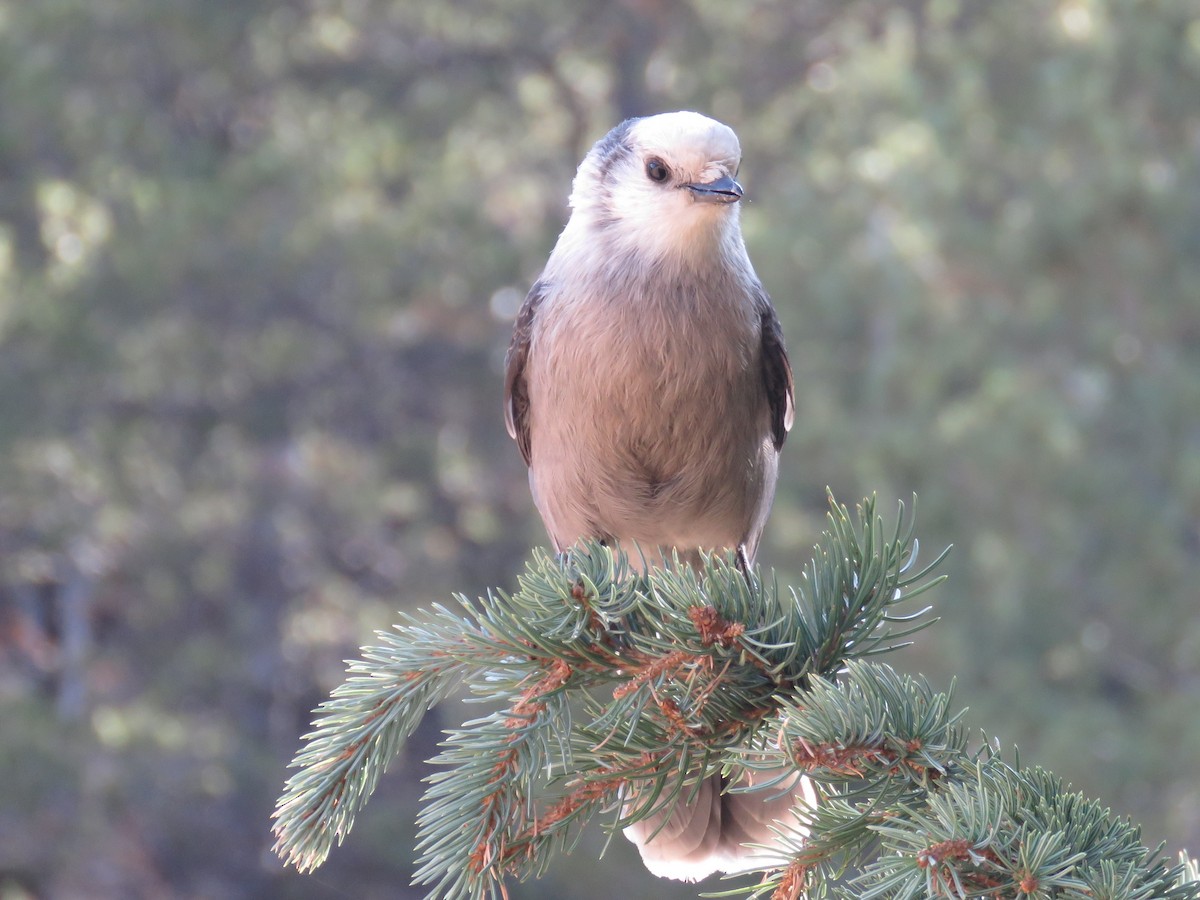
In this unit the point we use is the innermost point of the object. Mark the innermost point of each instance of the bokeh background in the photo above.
(258, 268)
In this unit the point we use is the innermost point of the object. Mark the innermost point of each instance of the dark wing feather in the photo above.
(516, 391)
(777, 372)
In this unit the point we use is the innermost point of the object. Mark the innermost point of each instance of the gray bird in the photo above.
(649, 391)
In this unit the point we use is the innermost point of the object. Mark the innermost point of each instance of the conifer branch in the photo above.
(915, 814)
(615, 691)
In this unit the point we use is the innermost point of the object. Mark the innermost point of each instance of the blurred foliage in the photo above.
(258, 263)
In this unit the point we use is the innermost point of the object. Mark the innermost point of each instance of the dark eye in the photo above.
(657, 171)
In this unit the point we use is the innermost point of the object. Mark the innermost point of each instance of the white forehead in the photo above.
(687, 137)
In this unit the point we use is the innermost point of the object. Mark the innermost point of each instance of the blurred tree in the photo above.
(258, 263)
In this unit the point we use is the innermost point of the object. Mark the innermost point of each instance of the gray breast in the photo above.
(649, 418)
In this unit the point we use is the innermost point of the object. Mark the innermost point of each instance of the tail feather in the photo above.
(712, 830)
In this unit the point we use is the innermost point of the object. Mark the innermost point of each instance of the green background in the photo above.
(258, 267)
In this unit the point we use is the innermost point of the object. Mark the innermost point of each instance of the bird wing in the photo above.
(516, 391)
(777, 372)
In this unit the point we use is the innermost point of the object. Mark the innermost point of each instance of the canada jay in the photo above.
(649, 391)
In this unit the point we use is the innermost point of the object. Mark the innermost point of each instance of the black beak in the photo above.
(723, 190)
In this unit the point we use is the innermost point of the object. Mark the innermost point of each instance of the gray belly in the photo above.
(680, 461)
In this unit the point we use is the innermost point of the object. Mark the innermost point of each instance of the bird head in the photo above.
(662, 187)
